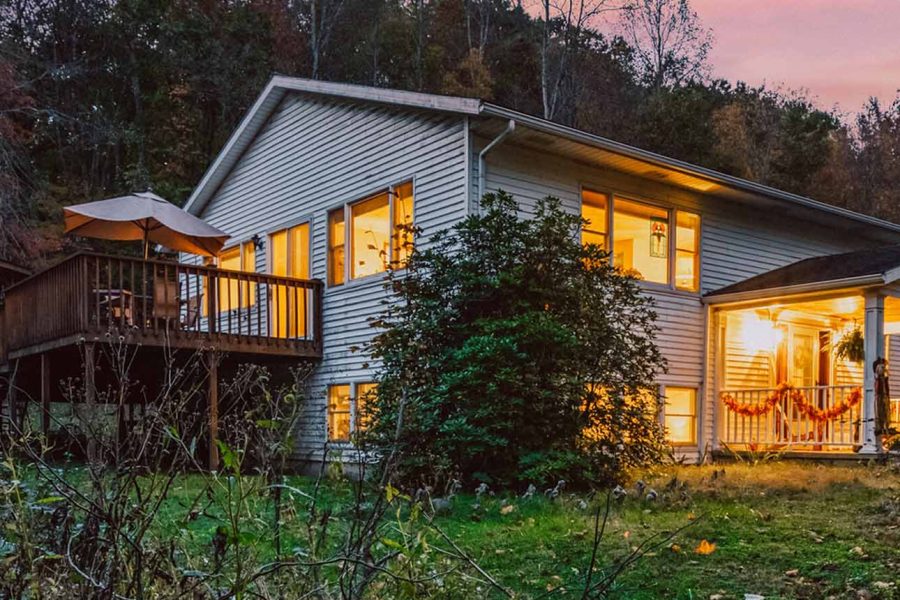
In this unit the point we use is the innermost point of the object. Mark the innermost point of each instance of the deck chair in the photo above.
(192, 308)
(166, 305)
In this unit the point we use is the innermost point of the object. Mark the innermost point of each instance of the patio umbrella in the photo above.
(147, 217)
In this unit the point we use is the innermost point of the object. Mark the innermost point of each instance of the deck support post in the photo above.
(874, 350)
(213, 399)
(90, 396)
(12, 400)
(45, 394)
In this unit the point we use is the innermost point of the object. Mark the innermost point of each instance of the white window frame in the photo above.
(672, 225)
(354, 403)
(347, 209)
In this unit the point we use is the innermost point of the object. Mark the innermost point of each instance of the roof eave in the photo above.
(680, 166)
(862, 281)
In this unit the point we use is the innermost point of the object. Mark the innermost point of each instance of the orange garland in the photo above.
(803, 405)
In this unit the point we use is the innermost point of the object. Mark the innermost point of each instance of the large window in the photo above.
(379, 235)
(347, 412)
(641, 240)
(638, 236)
(289, 257)
(680, 416)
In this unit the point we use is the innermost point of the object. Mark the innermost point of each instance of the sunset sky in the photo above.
(842, 51)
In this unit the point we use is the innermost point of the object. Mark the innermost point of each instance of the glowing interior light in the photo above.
(760, 335)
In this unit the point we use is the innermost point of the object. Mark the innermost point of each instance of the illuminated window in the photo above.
(594, 211)
(336, 241)
(403, 221)
(289, 253)
(365, 395)
(641, 240)
(339, 413)
(347, 409)
(687, 251)
(379, 235)
(232, 292)
(370, 236)
(681, 416)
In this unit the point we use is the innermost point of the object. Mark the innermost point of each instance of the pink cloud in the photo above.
(842, 51)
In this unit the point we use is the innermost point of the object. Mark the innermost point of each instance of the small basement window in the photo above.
(347, 409)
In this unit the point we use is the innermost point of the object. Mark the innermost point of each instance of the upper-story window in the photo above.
(638, 236)
(367, 236)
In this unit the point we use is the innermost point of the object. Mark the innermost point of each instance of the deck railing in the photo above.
(785, 425)
(157, 301)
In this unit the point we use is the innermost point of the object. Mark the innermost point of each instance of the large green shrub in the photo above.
(516, 354)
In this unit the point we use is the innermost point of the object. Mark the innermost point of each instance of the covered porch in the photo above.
(801, 354)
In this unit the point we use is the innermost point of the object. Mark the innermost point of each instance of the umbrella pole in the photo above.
(146, 244)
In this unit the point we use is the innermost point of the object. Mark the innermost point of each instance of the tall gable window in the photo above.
(639, 238)
(368, 236)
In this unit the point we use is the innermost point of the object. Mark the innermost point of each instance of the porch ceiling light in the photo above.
(761, 334)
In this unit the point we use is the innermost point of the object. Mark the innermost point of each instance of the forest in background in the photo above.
(101, 97)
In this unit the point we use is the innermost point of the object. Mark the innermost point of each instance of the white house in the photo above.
(754, 286)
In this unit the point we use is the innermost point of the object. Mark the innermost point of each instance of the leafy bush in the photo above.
(515, 353)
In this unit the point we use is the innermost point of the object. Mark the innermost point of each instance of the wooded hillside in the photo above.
(99, 97)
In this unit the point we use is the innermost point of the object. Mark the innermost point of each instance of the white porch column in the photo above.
(874, 342)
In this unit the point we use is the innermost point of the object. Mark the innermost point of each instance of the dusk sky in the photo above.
(842, 51)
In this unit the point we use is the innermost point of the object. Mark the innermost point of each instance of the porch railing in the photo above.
(785, 425)
(163, 302)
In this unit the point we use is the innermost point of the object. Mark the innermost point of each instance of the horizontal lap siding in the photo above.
(530, 177)
(315, 154)
(737, 242)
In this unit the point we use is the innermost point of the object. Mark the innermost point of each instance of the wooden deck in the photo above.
(60, 325)
(88, 297)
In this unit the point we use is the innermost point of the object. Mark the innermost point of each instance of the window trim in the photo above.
(697, 405)
(353, 415)
(307, 220)
(672, 212)
(270, 263)
(253, 298)
(346, 206)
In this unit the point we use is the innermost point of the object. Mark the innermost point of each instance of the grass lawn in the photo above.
(780, 530)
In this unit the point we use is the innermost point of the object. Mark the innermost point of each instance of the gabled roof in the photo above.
(862, 268)
(281, 85)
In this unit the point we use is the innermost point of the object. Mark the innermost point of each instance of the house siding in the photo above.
(315, 154)
(736, 243)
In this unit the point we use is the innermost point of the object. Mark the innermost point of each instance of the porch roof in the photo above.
(876, 266)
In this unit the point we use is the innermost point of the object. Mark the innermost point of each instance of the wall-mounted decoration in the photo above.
(659, 246)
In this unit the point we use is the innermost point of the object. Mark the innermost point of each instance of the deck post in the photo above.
(874, 349)
(45, 394)
(213, 398)
(90, 396)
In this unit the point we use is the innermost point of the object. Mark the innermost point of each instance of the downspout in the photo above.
(510, 127)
